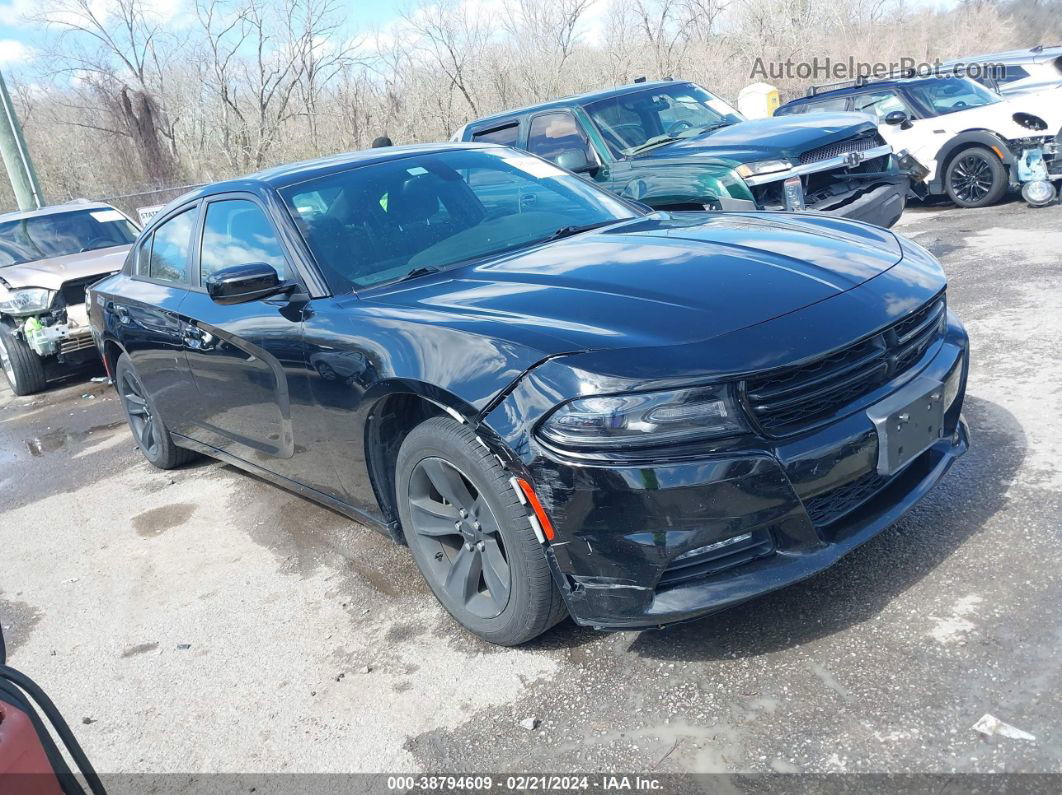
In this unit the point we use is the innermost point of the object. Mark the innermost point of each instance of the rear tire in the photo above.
(22, 367)
(148, 429)
(975, 177)
(491, 575)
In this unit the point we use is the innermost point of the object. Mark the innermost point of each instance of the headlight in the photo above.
(26, 301)
(646, 418)
(763, 167)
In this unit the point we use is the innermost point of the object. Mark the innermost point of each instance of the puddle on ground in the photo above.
(18, 620)
(61, 438)
(158, 520)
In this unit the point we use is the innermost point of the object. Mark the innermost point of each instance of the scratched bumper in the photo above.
(621, 528)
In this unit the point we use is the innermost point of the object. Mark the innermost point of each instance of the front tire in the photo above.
(470, 535)
(23, 368)
(975, 177)
(150, 432)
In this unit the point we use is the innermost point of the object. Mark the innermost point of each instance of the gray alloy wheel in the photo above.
(458, 528)
(975, 178)
(22, 367)
(148, 428)
(470, 535)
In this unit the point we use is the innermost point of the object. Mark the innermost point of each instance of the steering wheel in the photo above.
(678, 127)
(960, 104)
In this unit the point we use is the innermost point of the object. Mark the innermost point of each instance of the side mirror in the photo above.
(898, 117)
(575, 161)
(239, 284)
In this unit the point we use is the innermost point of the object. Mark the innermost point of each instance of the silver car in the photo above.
(47, 259)
(1020, 71)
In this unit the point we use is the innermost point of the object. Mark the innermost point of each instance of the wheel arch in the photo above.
(110, 351)
(964, 140)
(395, 409)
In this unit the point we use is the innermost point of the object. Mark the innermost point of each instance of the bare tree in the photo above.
(118, 62)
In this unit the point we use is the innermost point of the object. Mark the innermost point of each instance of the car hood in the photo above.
(54, 272)
(761, 139)
(999, 117)
(663, 279)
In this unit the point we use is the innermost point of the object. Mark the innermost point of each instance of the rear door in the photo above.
(242, 357)
(147, 312)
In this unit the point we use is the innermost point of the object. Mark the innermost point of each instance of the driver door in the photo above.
(244, 357)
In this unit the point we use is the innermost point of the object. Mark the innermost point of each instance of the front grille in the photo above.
(718, 557)
(863, 143)
(73, 292)
(831, 506)
(796, 398)
(76, 342)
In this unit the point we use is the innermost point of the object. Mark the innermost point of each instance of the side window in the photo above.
(832, 105)
(237, 232)
(553, 133)
(170, 249)
(505, 135)
(879, 104)
(1013, 73)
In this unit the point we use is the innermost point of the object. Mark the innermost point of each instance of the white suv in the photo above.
(973, 143)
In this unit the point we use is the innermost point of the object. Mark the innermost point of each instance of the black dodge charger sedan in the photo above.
(562, 402)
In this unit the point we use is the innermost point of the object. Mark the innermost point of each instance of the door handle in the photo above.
(192, 336)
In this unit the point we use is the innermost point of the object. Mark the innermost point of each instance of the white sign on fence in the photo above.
(147, 213)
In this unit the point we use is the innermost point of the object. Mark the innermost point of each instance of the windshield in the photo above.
(631, 123)
(59, 234)
(381, 222)
(950, 94)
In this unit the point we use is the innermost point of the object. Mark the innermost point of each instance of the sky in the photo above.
(20, 37)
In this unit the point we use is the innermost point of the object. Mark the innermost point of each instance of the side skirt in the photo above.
(294, 486)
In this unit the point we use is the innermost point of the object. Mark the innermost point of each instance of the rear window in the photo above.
(59, 234)
(506, 136)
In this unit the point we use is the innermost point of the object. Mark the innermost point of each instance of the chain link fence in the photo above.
(146, 203)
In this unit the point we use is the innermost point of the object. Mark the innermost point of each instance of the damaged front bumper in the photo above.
(57, 334)
(647, 544)
(871, 187)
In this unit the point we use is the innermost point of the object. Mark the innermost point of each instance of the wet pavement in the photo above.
(204, 620)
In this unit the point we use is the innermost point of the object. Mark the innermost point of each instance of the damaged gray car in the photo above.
(47, 259)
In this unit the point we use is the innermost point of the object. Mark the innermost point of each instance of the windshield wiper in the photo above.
(654, 141)
(568, 231)
(416, 273)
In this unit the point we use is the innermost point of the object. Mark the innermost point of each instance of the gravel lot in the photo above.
(203, 620)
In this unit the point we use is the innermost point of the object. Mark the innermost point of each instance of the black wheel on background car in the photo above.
(470, 535)
(149, 431)
(975, 177)
(22, 367)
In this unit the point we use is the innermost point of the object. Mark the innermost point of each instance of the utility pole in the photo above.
(20, 171)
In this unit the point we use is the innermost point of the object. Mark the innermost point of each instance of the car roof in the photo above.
(54, 209)
(1032, 55)
(293, 173)
(577, 99)
(862, 86)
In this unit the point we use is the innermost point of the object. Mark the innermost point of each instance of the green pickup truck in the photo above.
(675, 146)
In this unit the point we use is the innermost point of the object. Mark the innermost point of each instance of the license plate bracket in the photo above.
(908, 422)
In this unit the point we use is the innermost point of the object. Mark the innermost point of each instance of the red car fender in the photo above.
(24, 765)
